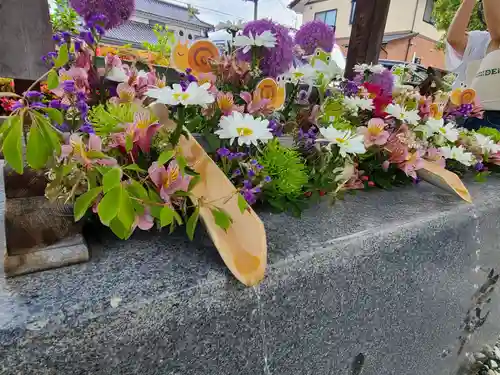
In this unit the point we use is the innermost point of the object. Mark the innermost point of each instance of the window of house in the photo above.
(329, 17)
(353, 12)
(429, 8)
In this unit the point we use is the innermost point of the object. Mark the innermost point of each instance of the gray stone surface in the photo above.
(389, 274)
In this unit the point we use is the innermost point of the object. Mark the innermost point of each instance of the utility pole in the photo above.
(367, 33)
(255, 9)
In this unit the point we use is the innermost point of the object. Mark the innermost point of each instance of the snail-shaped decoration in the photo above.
(200, 54)
(460, 97)
(179, 57)
(268, 88)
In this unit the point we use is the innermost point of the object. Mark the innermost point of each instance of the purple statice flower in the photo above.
(64, 127)
(479, 167)
(385, 80)
(236, 155)
(236, 173)
(55, 104)
(350, 88)
(78, 45)
(38, 105)
(223, 152)
(115, 11)
(251, 173)
(87, 128)
(276, 128)
(307, 139)
(273, 61)
(17, 105)
(69, 86)
(267, 179)
(465, 109)
(33, 94)
(83, 107)
(87, 37)
(315, 34)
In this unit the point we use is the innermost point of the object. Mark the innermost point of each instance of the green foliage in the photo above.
(445, 10)
(165, 40)
(222, 218)
(12, 131)
(52, 80)
(109, 119)
(490, 132)
(62, 57)
(84, 201)
(192, 223)
(64, 18)
(242, 203)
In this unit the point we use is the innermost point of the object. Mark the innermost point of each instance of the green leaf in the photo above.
(37, 153)
(222, 219)
(62, 57)
(12, 145)
(52, 80)
(178, 218)
(166, 216)
(129, 143)
(84, 201)
(55, 115)
(155, 209)
(181, 161)
(109, 205)
(50, 135)
(118, 229)
(213, 141)
(92, 154)
(192, 223)
(134, 167)
(137, 190)
(482, 177)
(242, 203)
(165, 157)
(112, 179)
(126, 213)
(194, 181)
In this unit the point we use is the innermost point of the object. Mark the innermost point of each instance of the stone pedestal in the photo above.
(391, 275)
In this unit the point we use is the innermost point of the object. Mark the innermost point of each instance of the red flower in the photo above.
(380, 101)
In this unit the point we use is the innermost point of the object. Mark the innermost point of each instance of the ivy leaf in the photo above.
(62, 57)
(192, 223)
(55, 115)
(112, 179)
(166, 216)
(242, 203)
(12, 145)
(52, 80)
(134, 167)
(222, 219)
(165, 156)
(84, 201)
(109, 206)
(37, 153)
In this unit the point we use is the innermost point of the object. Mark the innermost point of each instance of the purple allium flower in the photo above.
(69, 86)
(115, 11)
(273, 61)
(33, 94)
(223, 152)
(315, 34)
(385, 80)
(55, 104)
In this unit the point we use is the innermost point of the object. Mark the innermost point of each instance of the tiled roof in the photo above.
(397, 36)
(169, 10)
(132, 32)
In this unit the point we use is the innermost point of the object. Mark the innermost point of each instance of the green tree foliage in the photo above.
(63, 17)
(165, 39)
(445, 10)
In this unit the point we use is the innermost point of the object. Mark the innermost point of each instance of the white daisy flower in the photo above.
(347, 141)
(400, 113)
(457, 153)
(244, 127)
(305, 74)
(194, 95)
(228, 25)
(435, 126)
(377, 69)
(487, 144)
(355, 103)
(266, 39)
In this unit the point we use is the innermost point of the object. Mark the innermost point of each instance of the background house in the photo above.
(410, 34)
(139, 28)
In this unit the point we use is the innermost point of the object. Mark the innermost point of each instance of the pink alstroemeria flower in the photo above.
(256, 107)
(82, 153)
(434, 155)
(144, 221)
(225, 102)
(143, 129)
(374, 133)
(412, 164)
(168, 180)
(126, 94)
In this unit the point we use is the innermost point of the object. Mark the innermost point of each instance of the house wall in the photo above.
(400, 17)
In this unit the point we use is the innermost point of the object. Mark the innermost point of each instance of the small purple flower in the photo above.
(276, 128)
(110, 13)
(33, 94)
(100, 30)
(55, 104)
(267, 179)
(87, 128)
(272, 61)
(78, 45)
(247, 184)
(350, 88)
(307, 139)
(38, 105)
(64, 127)
(69, 86)
(479, 167)
(87, 37)
(254, 162)
(259, 167)
(56, 38)
(251, 173)
(223, 152)
(236, 172)
(66, 36)
(17, 105)
(83, 107)
(385, 80)
(64, 107)
(315, 34)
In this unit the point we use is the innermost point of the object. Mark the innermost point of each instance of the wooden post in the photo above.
(25, 36)
(367, 33)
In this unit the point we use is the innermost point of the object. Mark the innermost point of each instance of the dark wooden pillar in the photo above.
(367, 32)
(25, 36)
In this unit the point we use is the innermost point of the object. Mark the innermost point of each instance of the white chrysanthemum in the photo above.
(347, 142)
(194, 95)
(244, 127)
(266, 39)
(304, 74)
(377, 69)
(437, 126)
(400, 113)
(355, 103)
(457, 153)
(487, 144)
